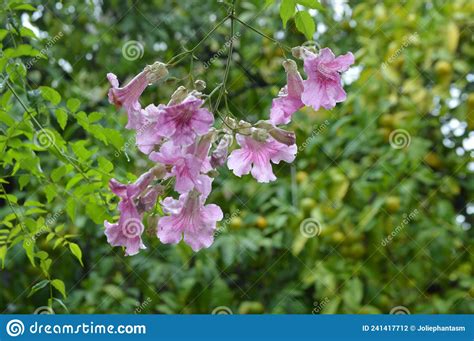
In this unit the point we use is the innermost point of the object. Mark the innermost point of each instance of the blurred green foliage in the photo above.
(394, 225)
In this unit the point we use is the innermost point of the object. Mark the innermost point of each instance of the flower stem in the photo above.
(280, 45)
(180, 56)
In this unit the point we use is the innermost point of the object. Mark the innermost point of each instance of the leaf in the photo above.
(28, 246)
(71, 208)
(3, 253)
(61, 117)
(38, 286)
(311, 4)
(287, 10)
(59, 285)
(24, 7)
(305, 24)
(50, 95)
(61, 303)
(105, 164)
(76, 251)
(269, 2)
(73, 104)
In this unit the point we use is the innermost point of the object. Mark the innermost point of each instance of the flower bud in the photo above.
(178, 96)
(259, 134)
(281, 135)
(219, 155)
(244, 127)
(155, 72)
(159, 171)
(200, 84)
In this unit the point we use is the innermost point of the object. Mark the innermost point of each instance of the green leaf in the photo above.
(269, 2)
(73, 104)
(76, 251)
(59, 285)
(287, 10)
(50, 95)
(311, 4)
(58, 173)
(105, 164)
(38, 286)
(61, 304)
(3, 254)
(28, 246)
(61, 117)
(3, 34)
(305, 24)
(24, 7)
(71, 208)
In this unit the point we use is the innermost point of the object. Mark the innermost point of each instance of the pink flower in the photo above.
(186, 167)
(147, 137)
(127, 232)
(129, 95)
(189, 218)
(289, 98)
(323, 87)
(184, 121)
(255, 156)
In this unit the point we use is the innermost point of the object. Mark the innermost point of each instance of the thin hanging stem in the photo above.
(229, 56)
(280, 45)
(180, 56)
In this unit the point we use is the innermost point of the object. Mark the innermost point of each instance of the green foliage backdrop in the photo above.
(387, 175)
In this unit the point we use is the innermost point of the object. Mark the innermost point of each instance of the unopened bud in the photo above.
(155, 72)
(244, 127)
(200, 84)
(178, 96)
(281, 135)
(260, 135)
(159, 171)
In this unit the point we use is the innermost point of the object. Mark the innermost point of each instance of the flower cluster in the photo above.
(180, 139)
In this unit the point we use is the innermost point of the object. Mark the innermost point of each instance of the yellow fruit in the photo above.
(301, 176)
(236, 222)
(433, 160)
(443, 69)
(251, 307)
(308, 204)
(392, 203)
(452, 37)
(338, 237)
(386, 120)
(261, 222)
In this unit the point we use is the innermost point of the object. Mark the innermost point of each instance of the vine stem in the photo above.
(229, 56)
(182, 55)
(280, 45)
